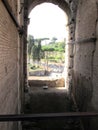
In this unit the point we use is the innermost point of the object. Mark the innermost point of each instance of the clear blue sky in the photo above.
(47, 20)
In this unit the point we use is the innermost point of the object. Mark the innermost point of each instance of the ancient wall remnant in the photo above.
(9, 61)
(85, 83)
(81, 53)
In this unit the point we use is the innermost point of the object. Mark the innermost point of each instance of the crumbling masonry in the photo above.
(81, 54)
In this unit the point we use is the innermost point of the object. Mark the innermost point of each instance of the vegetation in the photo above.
(30, 45)
(57, 46)
(34, 47)
(52, 52)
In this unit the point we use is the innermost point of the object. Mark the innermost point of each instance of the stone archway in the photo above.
(82, 29)
(62, 4)
(69, 7)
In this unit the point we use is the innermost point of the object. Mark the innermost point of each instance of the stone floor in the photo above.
(49, 100)
(46, 100)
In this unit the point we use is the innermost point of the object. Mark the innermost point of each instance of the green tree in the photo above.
(37, 49)
(34, 53)
(30, 45)
(54, 39)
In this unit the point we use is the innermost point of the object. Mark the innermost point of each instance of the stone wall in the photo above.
(14, 6)
(82, 61)
(85, 47)
(9, 63)
(51, 83)
(85, 71)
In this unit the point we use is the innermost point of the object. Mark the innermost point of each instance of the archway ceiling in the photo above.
(61, 3)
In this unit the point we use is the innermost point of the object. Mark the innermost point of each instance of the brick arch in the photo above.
(61, 3)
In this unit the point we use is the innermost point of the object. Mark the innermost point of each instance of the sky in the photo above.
(47, 21)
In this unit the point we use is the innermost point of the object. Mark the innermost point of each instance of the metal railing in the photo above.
(45, 116)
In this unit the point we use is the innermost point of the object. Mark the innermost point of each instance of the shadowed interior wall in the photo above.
(86, 58)
(9, 63)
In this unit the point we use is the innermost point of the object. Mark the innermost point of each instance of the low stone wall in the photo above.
(49, 82)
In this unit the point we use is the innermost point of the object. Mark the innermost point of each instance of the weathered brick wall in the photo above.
(86, 59)
(95, 67)
(9, 66)
(14, 6)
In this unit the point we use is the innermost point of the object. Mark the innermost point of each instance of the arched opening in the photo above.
(52, 100)
(62, 4)
(47, 30)
(65, 35)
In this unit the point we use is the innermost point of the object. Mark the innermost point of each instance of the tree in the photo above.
(53, 39)
(37, 49)
(34, 52)
(30, 45)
